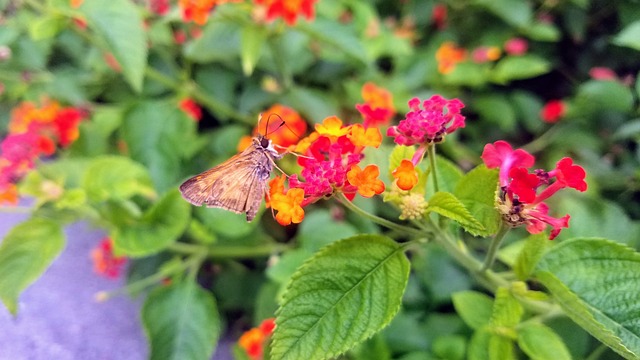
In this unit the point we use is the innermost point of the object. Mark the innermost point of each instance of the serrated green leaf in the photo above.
(474, 308)
(476, 190)
(539, 342)
(629, 36)
(181, 322)
(592, 280)
(119, 24)
(534, 248)
(501, 348)
(115, 177)
(25, 253)
(519, 67)
(361, 279)
(446, 204)
(159, 227)
(252, 40)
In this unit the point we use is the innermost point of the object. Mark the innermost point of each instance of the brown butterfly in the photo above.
(238, 184)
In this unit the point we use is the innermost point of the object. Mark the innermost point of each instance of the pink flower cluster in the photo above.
(438, 117)
(523, 193)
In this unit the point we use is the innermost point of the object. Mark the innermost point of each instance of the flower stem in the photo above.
(432, 165)
(494, 246)
(376, 219)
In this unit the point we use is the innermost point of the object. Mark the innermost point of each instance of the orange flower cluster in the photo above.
(253, 341)
(405, 175)
(448, 56)
(283, 135)
(33, 132)
(378, 109)
(288, 10)
(198, 10)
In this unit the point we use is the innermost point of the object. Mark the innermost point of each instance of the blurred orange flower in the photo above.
(448, 56)
(253, 340)
(378, 109)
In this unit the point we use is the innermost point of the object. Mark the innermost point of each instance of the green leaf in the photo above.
(45, 26)
(496, 109)
(477, 190)
(361, 279)
(338, 36)
(479, 345)
(501, 348)
(319, 228)
(119, 24)
(519, 67)
(314, 103)
(534, 248)
(451, 347)
(25, 253)
(226, 223)
(539, 342)
(220, 40)
(629, 36)
(467, 74)
(446, 204)
(252, 40)
(95, 135)
(439, 273)
(540, 31)
(156, 133)
(474, 308)
(507, 311)
(159, 227)
(513, 12)
(595, 96)
(448, 175)
(181, 322)
(116, 177)
(592, 280)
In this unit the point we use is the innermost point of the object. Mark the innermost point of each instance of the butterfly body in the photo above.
(238, 184)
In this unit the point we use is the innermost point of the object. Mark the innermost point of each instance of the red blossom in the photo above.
(159, 7)
(105, 263)
(378, 109)
(501, 155)
(602, 73)
(553, 111)
(191, 108)
(288, 10)
(516, 46)
(439, 16)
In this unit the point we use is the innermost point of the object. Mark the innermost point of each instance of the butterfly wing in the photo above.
(236, 185)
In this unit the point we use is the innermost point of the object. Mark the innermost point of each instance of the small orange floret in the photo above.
(332, 128)
(366, 180)
(9, 195)
(448, 55)
(252, 342)
(406, 175)
(276, 186)
(360, 136)
(288, 206)
(377, 97)
(304, 144)
(285, 136)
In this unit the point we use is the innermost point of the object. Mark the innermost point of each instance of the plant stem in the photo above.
(595, 355)
(432, 165)
(494, 246)
(228, 251)
(376, 219)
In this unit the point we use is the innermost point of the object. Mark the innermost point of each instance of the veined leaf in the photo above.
(115, 177)
(343, 295)
(446, 204)
(532, 251)
(595, 282)
(474, 308)
(476, 190)
(181, 322)
(25, 253)
(119, 24)
(539, 342)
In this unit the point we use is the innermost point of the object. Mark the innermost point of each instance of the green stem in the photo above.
(432, 165)
(376, 219)
(494, 246)
(141, 284)
(595, 355)
(228, 251)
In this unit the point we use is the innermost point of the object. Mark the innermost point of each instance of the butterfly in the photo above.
(238, 184)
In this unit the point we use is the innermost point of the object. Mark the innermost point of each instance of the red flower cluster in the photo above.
(34, 132)
(553, 111)
(288, 10)
(198, 10)
(191, 108)
(523, 193)
(378, 109)
(329, 165)
(253, 341)
(105, 263)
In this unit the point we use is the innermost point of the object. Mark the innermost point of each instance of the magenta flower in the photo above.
(438, 117)
(521, 201)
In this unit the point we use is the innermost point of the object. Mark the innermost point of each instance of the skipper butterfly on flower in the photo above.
(238, 184)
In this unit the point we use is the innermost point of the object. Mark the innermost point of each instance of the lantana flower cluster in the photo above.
(198, 10)
(522, 192)
(253, 341)
(449, 54)
(34, 131)
(330, 164)
(105, 262)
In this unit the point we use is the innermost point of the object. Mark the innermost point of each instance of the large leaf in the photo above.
(541, 343)
(347, 292)
(595, 282)
(476, 190)
(182, 322)
(119, 24)
(25, 253)
(519, 67)
(629, 36)
(474, 308)
(159, 227)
